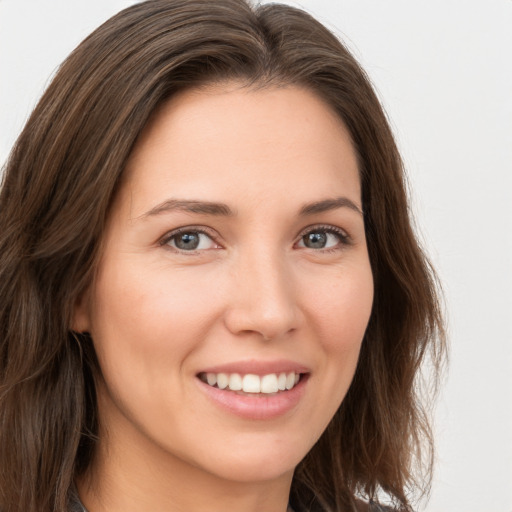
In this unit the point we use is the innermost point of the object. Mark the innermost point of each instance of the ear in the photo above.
(80, 321)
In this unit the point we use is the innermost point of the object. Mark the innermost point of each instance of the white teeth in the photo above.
(251, 383)
(281, 382)
(222, 380)
(290, 380)
(235, 382)
(269, 383)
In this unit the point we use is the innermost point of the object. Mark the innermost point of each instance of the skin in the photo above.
(254, 290)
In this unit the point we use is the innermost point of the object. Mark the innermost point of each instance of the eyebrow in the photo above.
(190, 206)
(329, 204)
(222, 209)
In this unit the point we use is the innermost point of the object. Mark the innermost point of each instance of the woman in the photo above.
(211, 295)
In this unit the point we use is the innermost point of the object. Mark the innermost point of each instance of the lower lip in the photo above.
(259, 406)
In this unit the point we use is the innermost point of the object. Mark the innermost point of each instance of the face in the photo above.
(234, 287)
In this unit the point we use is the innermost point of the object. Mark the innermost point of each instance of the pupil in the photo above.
(188, 241)
(315, 240)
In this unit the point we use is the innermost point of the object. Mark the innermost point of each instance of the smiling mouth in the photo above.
(251, 384)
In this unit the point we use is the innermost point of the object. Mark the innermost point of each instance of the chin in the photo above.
(260, 461)
(254, 471)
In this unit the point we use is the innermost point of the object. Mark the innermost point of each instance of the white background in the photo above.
(443, 70)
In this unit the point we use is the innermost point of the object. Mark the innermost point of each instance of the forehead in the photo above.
(229, 139)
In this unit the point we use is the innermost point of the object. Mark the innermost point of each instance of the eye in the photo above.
(323, 238)
(189, 240)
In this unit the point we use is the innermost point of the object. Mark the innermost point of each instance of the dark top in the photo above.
(74, 504)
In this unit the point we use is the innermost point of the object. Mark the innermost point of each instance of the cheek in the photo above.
(156, 303)
(342, 307)
(144, 323)
(340, 315)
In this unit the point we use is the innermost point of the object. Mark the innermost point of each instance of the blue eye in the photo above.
(191, 240)
(322, 238)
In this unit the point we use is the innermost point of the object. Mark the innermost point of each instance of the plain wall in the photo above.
(443, 71)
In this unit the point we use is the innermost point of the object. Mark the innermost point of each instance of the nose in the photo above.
(263, 297)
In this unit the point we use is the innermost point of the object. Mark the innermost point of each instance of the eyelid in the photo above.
(164, 240)
(345, 238)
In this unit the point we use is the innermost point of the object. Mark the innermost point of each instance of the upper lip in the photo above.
(258, 367)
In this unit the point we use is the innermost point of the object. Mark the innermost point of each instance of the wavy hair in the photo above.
(59, 183)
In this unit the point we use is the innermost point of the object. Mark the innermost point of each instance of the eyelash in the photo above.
(343, 237)
(187, 229)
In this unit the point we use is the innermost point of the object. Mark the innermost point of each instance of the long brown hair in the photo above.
(60, 180)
